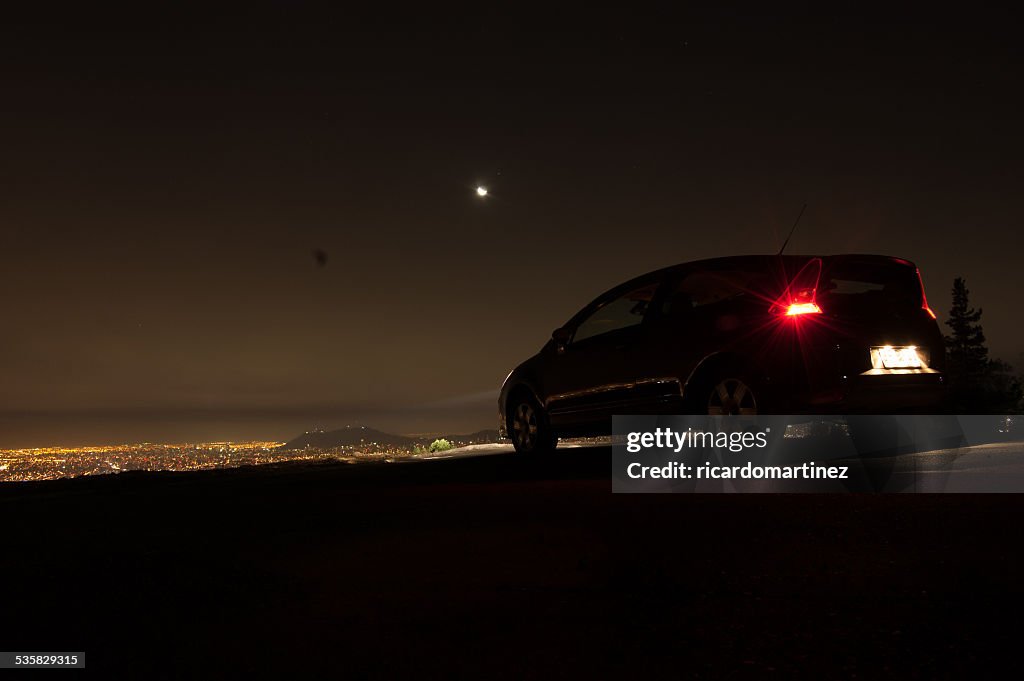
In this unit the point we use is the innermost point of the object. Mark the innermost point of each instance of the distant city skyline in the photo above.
(113, 427)
(354, 444)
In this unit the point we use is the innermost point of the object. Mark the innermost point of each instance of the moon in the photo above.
(481, 191)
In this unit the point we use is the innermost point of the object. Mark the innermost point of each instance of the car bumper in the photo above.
(883, 392)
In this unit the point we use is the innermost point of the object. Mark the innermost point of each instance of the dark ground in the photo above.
(494, 568)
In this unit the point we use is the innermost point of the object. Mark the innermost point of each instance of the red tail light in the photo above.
(795, 309)
(800, 296)
(924, 298)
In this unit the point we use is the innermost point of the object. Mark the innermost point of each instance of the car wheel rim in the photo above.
(732, 396)
(524, 426)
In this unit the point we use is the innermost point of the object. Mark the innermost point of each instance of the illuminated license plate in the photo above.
(899, 357)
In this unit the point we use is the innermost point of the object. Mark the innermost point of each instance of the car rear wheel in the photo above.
(731, 396)
(529, 428)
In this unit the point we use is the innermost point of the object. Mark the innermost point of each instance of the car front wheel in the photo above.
(529, 428)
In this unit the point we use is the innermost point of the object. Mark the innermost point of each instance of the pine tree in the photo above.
(966, 346)
(978, 385)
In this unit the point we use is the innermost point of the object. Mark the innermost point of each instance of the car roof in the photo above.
(790, 262)
(766, 259)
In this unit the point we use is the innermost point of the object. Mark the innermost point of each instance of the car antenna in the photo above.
(792, 229)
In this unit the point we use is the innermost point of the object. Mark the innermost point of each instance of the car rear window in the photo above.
(858, 282)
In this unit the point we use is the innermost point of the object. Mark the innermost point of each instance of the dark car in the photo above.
(837, 334)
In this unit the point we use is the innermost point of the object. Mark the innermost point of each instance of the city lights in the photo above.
(50, 463)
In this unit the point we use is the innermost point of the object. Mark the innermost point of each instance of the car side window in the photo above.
(702, 289)
(620, 312)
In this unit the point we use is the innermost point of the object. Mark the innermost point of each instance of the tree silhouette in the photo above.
(978, 385)
(966, 346)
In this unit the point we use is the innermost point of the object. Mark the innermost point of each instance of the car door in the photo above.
(593, 375)
(698, 313)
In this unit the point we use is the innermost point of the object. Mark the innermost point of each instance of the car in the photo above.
(770, 334)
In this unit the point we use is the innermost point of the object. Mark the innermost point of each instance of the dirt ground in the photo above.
(492, 567)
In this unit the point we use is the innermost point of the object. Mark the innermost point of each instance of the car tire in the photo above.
(726, 392)
(529, 428)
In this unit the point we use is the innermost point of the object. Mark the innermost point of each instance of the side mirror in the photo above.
(561, 335)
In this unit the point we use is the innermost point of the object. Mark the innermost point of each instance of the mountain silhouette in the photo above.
(363, 435)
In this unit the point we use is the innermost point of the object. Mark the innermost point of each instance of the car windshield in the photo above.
(621, 312)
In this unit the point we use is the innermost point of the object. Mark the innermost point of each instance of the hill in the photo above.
(363, 435)
(347, 436)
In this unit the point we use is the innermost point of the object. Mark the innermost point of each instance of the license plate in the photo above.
(899, 357)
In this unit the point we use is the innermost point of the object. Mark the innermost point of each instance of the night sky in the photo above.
(248, 223)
